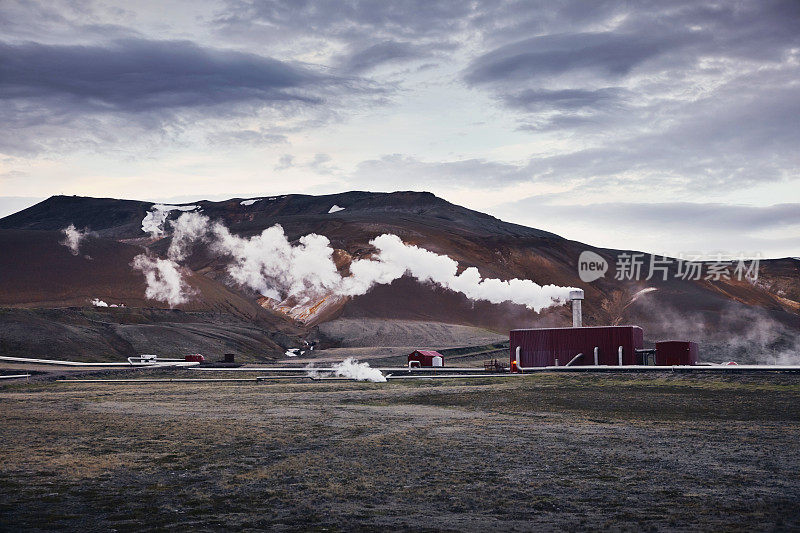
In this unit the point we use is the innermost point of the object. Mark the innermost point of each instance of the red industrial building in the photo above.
(599, 345)
(560, 346)
(425, 358)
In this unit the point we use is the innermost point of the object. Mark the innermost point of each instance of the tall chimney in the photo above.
(577, 317)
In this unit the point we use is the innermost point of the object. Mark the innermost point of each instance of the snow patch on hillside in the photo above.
(335, 209)
(250, 202)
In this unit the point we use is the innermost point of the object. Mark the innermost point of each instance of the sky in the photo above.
(665, 126)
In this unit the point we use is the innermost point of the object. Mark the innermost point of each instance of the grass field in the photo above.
(539, 452)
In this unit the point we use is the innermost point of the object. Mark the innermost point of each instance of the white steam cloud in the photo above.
(642, 293)
(153, 221)
(97, 302)
(73, 238)
(747, 335)
(350, 368)
(270, 264)
(396, 258)
(164, 280)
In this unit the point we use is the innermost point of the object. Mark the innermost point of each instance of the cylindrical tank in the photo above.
(669, 353)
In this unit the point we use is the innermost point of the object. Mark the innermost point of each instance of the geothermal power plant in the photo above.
(578, 349)
(307, 281)
(593, 346)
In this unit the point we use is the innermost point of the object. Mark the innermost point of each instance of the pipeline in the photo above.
(63, 362)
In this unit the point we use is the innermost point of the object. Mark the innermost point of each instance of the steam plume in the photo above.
(153, 222)
(97, 302)
(73, 238)
(269, 264)
(350, 368)
(395, 258)
(188, 228)
(642, 293)
(163, 278)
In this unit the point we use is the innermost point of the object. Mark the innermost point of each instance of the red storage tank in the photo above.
(426, 358)
(670, 353)
(541, 347)
(194, 358)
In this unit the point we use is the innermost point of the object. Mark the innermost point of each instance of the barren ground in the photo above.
(540, 452)
(371, 333)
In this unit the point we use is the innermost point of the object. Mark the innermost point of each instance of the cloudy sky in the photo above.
(665, 126)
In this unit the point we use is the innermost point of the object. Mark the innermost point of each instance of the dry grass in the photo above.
(539, 452)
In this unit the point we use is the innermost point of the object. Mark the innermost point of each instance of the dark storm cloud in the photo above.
(608, 54)
(669, 38)
(138, 75)
(685, 95)
(389, 51)
(71, 96)
(723, 141)
(380, 53)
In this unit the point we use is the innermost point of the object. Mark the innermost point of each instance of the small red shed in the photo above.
(670, 353)
(425, 358)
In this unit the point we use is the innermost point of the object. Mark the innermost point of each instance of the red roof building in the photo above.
(425, 358)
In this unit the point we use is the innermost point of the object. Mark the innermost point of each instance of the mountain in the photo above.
(38, 272)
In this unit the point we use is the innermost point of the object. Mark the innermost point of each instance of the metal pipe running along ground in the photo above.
(182, 380)
(393, 369)
(674, 368)
(433, 376)
(260, 379)
(163, 380)
(64, 362)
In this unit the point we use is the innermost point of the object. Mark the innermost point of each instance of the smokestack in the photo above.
(577, 317)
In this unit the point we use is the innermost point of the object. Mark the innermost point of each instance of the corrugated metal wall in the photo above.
(541, 347)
